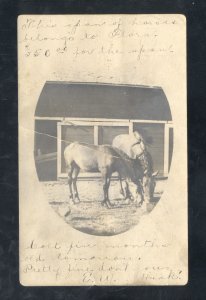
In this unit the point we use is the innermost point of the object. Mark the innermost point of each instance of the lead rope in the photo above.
(84, 144)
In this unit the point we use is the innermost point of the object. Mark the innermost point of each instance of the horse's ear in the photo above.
(137, 136)
(155, 173)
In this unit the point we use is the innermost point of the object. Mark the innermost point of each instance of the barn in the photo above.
(95, 113)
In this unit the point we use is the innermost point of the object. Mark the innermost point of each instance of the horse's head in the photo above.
(148, 185)
(137, 149)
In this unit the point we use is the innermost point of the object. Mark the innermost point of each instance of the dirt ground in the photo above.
(89, 215)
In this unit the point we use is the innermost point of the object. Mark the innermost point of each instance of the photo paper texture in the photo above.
(102, 150)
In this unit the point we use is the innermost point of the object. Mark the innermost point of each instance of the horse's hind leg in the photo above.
(74, 181)
(121, 187)
(128, 193)
(70, 171)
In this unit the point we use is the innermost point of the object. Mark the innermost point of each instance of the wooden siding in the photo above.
(108, 133)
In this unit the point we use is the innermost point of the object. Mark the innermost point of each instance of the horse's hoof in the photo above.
(144, 206)
(121, 193)
(67, 213)
(76, 201)
(127, 201)
(109, 205)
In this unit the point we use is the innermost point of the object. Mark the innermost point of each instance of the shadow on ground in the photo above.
(89, 216)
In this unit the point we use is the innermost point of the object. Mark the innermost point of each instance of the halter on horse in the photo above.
(148, 180)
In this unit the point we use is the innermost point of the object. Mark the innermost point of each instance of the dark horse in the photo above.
(148, 178)
(134, 146)
(106, 160)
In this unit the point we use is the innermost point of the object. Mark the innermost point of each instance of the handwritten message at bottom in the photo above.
(61, 263)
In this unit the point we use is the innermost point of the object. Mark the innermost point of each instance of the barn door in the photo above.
(106, 134)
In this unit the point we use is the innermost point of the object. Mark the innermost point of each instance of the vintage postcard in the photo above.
(102, 150)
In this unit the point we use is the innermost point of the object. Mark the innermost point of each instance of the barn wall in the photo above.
(45, 136)
(45, 149)
(170, 145)
(111, 101)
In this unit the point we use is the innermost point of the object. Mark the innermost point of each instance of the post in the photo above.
(96, 134)
(166, 150)
(59, 147)
(130, 127)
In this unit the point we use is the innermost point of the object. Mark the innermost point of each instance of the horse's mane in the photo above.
(143, 162)
(146, 162)
(122, 154)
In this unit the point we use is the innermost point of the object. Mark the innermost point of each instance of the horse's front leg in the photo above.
(128, 194)
(106, 192)
(121, 187)
(140, 193)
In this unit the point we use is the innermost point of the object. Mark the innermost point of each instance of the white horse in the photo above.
(131, 144)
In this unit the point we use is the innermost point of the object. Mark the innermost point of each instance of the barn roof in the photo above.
(95, 100)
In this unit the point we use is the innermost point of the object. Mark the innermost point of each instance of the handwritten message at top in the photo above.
(138, 37)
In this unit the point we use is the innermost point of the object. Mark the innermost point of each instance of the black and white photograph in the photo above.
(102, 152)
